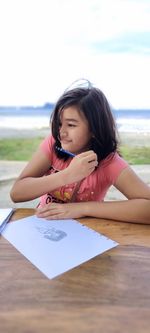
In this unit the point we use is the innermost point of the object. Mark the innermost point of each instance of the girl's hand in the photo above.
(82, 166)
(53, 211)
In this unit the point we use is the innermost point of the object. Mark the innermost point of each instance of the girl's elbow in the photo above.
(147, 211)
(13, 195)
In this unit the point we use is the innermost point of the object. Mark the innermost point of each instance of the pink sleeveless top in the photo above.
(92, 188)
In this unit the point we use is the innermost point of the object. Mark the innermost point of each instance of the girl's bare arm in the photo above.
(136, 209)
(32, 183)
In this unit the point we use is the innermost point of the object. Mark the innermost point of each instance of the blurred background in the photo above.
(45, 46)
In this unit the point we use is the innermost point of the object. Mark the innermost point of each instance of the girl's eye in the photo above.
(71, 125)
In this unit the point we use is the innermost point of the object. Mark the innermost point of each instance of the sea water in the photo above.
(136, 121)
(133, 120)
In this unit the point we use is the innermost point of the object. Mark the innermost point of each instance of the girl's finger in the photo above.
(49, 212)
(47, 208)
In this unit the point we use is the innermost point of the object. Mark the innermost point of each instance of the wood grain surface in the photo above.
(109, 294)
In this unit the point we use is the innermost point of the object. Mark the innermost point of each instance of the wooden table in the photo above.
(110, 293)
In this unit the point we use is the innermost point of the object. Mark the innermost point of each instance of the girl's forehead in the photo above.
(71, 112)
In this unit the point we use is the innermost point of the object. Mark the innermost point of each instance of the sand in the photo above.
(132, 139)
(7, 133)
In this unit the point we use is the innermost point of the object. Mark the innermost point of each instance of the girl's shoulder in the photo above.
(47, 145)
(113, 159)
(112, 166)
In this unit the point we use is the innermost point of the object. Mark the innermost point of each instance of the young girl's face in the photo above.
(74, 130)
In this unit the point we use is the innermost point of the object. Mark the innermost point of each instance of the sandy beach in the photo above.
(127, 138)
(135, 139)
(7, 133)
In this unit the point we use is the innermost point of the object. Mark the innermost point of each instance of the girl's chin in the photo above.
(66, 146)
(69, 148)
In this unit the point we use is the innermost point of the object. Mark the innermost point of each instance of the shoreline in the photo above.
(125, 138)
(8, 133)
(135, 139)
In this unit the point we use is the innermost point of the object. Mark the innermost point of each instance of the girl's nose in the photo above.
(62, 131)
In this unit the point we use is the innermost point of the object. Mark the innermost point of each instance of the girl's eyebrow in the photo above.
(71, 119)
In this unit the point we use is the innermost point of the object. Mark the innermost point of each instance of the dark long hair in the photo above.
(95, 107)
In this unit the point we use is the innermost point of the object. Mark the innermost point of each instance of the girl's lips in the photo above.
(65, 141)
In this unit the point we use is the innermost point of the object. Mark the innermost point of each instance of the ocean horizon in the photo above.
(128, 120)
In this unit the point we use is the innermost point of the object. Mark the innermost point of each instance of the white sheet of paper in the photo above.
(4, 213)
(56, 246)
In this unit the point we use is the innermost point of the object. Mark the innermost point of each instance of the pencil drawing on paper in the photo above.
(51, 233)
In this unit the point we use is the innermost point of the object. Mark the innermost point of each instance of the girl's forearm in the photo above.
(31, 188)
(134, 210)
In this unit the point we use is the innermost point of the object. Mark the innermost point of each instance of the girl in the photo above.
(79, 162)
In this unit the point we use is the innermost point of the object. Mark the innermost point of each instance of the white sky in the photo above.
(47, 44)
